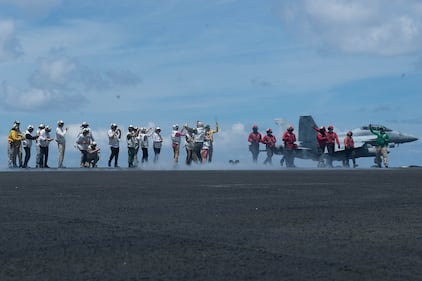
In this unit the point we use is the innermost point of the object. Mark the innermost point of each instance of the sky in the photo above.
(239, 62)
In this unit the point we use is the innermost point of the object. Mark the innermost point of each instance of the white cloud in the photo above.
(375, 27)
(230, 138)
(57, 78)
(10, 47)
(15, 99)
(54, 72)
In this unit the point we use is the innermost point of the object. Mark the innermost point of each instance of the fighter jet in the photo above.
(363, 138)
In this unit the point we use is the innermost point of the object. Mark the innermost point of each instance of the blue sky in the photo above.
(245, 62)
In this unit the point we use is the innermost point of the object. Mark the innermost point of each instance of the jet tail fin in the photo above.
(307, 134)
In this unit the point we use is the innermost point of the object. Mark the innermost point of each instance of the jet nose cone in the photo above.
(412, 138)
(409, 138)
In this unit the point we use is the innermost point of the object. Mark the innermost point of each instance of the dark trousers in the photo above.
(157, 152)
(321, 150)
(43, 157)
(131, 156)
(189, 153)
(254, 149)
(350, 154)
(27, 156)
(289, 155)
(144, 154)
(330, 150)
(197, 150)
(270, 153)
(114, 154)
(84, 157)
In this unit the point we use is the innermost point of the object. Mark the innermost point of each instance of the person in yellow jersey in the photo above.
(210, 136)
(14, 140)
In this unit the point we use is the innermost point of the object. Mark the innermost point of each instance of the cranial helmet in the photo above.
(269, 131)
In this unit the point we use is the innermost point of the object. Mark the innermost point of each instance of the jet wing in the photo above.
(361, 151)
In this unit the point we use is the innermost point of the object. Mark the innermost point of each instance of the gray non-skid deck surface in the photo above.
(211, 225)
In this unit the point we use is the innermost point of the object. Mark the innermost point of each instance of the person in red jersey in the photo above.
(254, 139)
(332, 139)
(321, 144)
(289, 139)
(349, 149)
(269, 140)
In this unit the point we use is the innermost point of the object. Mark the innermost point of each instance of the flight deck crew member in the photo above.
(332, 139)
(137, 130)
(349, 149)
(321, 144)
(143, 142)
(189, 145)
(37, 144)
(254, 139)
(205, 149)
(83, 141)
(176, 137)
(157, 141)
(210, 135)
(44, 140)
(14, 145)
(289, 139)
(27, 144)
(131, 143)
(382, 146)
(61, 142)
(269, 140)
(114, 135)
(198, 139)
(93, 155)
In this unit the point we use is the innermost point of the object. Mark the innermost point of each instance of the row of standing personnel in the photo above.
(198, 144)
(324, 140)
(18, 140)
